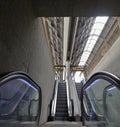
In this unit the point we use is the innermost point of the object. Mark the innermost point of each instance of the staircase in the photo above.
(61, 107)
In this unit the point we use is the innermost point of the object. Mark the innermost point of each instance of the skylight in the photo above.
(79, 76)
(96, 30)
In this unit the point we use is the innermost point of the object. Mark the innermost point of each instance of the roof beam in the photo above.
(71, 36)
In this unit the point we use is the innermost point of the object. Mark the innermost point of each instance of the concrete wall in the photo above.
(23, 46)
(109, 40)
(111, 60)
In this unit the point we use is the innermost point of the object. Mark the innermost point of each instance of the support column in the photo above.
(67, 69)
(118, 20)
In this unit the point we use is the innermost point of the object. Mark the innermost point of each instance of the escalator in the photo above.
(100, 101)
(78, 88)
(20, 101)
(61, 106)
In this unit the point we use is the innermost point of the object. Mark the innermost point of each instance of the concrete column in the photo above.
(67, 69)
(118, 20)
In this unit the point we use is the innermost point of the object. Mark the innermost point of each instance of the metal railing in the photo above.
(74, 96)
(69, 102)
(54, 100)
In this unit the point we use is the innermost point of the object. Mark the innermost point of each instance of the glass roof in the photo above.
(96, 30)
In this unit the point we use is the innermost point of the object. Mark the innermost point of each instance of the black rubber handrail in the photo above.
(50, 118)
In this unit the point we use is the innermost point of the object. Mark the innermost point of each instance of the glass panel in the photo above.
(93, 37)
(96, 30)
(101, 19)
(98, 26)
(94, 104)
(82, 63)
(112, 106)
(19, 102)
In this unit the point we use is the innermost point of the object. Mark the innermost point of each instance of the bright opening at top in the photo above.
(96, 30)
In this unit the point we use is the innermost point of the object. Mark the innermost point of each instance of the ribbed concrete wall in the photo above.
(23, 47)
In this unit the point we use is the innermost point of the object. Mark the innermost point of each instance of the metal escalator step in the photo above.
(61, 97)
(78, 88)
(61, 118)
(62, 114)
(61, 110)
(62, 101)
(61, 93)
(61, 107)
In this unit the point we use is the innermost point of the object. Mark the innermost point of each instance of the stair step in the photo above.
(61, 110)
(62, 114)
(78, 88)
(61, 118)
(62, 98)
(62, 102)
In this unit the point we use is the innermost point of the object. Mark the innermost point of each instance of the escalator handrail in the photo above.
(86, 106)
(76, 102)
(99, 75)
(69, 103)
(54, 100)
(24, 77)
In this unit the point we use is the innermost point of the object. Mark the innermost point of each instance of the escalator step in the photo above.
(61, 107)
(61, 118)
(62, 114)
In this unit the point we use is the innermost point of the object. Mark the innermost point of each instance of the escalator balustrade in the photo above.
(20, 100)
(102, 93)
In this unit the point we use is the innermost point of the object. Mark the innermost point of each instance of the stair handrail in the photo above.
(69, 103)
(54, 100)
(74, 97)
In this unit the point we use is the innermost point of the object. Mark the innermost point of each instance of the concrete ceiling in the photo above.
(83, 29)
(54, 10)
(55, 32)
(76, 7)
(55, 26)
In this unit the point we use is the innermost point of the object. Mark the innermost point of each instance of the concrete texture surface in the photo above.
(111, 60)
(76, 7)
(23, 47)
